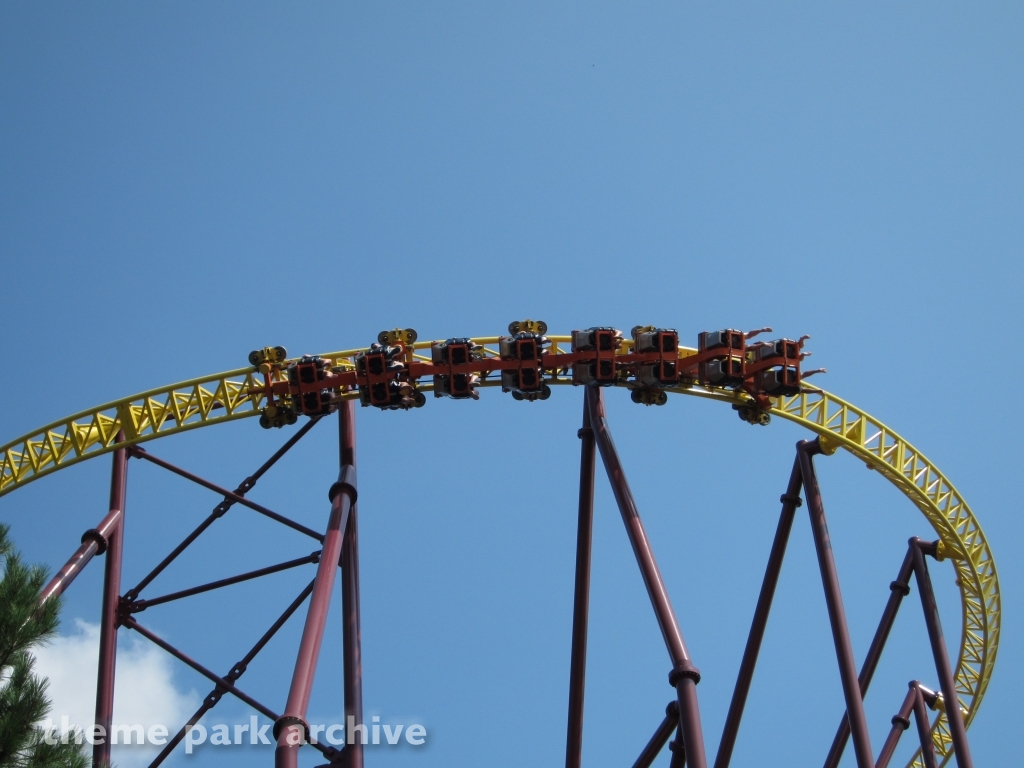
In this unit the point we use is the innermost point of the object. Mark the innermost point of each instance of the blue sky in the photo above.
(180, 184)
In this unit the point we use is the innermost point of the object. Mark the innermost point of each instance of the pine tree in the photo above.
(23, 701)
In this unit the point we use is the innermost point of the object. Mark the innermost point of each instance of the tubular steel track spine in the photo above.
(120, 426)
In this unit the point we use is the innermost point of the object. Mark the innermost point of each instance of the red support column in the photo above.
(352, 755)
(581, 602)
(678, 750)
(790, 501)
(957, 730)
(684, 676)
(836, 612)
(924, 730)
(291, 729)
(900, 723)
(897, 591)
(108, 612)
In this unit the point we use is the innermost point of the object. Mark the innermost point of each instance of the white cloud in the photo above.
(144, 690)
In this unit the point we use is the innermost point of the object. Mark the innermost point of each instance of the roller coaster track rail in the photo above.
(243, 393)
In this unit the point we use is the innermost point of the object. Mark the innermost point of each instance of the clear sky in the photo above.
(182, 183)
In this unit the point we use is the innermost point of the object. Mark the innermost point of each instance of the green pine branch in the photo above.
(23, 700)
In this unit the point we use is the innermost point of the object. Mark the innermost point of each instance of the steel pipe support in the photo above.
(657, 742)
(957, 730)
(924, 729)
(109, 608)
(291, 730)
(94, 542)
(581, 599)
(900, 723)
(834, 601)
(898, 589)
(790, 501)
(684, 676)
(352, 659)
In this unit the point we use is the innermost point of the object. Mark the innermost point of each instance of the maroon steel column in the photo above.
(790, 501)
(897, 591)
(353, 659)
(678, 750)
(900, 723)
(836, 613)
(108, 612)
(924, 731)
(957, 731)
(290, 730)
(581, 601)
(684, 675)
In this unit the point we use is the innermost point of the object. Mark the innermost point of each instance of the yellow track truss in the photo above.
(225, 397)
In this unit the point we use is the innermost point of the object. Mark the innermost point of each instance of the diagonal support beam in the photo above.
(214, 696)
(924, 729)
(898, 589)
(913, 704)
(790, 502)
(141, 453)
(834, 601)
(581, 600)
(221, 509)
(94, 542)
(223, 684)
(900, 723)
(141, 605)
(663, 734)
(957, 730)
(917, 701)
(290, 729)
(684, 676)
(131, 623)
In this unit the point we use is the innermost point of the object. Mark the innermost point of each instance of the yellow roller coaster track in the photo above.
(226, 397)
